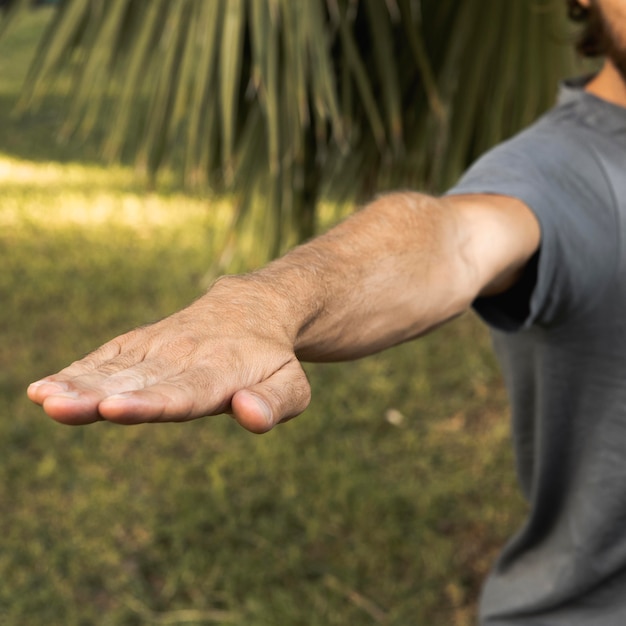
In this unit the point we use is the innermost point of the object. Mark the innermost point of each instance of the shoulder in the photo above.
(553, 150)
(553, 168)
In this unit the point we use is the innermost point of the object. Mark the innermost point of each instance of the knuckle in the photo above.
(182, 347)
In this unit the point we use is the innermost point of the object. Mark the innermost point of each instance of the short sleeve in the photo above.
(558, 176)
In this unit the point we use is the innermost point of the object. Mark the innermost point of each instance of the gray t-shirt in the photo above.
(560, 335)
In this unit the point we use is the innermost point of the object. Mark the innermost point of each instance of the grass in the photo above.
(384, 504)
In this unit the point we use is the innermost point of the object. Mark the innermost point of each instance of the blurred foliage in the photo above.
(293, 100)
(384, 504)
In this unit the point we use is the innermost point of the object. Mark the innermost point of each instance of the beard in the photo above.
(608, 42)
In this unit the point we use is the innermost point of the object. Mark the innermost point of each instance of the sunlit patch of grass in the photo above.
(61, 195)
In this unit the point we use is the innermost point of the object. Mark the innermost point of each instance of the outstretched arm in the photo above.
(393, 271)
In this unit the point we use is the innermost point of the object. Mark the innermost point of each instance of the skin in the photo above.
(610, 83)
(395, 270)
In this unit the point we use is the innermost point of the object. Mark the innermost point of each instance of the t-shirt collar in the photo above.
(596, 112)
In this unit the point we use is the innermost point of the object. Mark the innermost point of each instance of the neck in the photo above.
(609, 85)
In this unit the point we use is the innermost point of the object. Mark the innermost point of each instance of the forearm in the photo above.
(389, 273)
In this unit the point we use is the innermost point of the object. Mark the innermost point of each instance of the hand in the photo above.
(226, 353)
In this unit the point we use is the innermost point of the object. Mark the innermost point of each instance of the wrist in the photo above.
(262, 301)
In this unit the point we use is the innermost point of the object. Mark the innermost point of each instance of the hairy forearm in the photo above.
(396, 269)
(389, 273)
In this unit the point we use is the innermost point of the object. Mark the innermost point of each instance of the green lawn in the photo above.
(385, 503)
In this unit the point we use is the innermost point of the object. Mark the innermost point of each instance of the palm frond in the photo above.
(292, 99)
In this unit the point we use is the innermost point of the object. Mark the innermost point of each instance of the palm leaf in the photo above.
(290, 99)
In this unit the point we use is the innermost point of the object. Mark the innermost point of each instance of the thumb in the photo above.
(283, 395)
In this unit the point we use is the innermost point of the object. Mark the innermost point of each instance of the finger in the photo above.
(71, 408)
(191, 394)
(280, 397)
(77, 400)
(95, 359)
(198, 393)
(40, 390)
(58, 383)
(78, 376)
(107, 369)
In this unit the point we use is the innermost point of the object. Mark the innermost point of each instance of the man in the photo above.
(532, 237)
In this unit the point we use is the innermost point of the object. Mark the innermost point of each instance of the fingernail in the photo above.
(69, 395)
(51, 383)
(265, 410)
(124, 395)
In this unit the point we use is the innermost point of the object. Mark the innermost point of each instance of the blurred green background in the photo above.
(385, 503)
